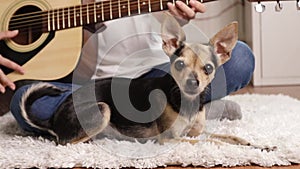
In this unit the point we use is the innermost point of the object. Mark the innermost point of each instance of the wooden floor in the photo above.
(247, 167)
(293, 91)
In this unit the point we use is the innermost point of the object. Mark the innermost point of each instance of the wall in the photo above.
(274, 39)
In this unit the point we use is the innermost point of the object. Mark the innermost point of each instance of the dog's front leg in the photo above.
(198, 124)
(239, 141)
(181, 127)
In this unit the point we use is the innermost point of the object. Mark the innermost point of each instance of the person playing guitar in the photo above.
(238, 70)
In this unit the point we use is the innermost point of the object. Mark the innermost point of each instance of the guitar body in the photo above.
(44, 55)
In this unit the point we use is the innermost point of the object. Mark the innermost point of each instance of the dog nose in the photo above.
(192, 83)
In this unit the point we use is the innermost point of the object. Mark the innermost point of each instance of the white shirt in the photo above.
(127, 47)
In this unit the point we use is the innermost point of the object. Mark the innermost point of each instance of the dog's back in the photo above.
(139, 107)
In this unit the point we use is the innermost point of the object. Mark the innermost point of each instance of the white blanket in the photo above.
(272, 120)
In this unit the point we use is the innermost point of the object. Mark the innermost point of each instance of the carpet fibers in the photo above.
(268, 120)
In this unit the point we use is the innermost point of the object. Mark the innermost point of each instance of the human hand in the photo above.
(183, 11)
(4, 81)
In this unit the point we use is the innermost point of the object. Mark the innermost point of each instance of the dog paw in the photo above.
(265, 148)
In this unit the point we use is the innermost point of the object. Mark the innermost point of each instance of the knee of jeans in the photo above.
(239, 69)
(245, 62)
(16, 99)
(15, 108)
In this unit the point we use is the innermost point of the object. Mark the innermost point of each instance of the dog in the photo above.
(162, 108)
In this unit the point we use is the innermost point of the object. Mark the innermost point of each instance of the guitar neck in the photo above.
(81, 15)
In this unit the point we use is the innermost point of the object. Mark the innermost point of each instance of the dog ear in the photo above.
(224, 41)
(172, 34)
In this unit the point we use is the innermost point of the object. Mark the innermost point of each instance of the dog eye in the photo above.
(179, 65)
(208, 68)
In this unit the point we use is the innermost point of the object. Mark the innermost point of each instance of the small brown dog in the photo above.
(164, 108)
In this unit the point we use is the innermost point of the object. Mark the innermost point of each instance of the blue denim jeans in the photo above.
(230, 77)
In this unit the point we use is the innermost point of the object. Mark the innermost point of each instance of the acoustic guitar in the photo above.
(50, 31)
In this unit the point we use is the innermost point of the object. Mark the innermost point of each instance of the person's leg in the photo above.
(43, 108)
(232, 76)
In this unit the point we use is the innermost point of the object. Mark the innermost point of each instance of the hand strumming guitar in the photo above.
(4, 81)
(182, 11)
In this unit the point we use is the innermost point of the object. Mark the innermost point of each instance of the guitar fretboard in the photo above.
(100, 12)
(81, 15)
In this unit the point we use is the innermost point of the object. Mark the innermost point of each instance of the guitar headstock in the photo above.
(278, 7)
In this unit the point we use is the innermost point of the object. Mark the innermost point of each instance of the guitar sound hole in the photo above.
(29, 21)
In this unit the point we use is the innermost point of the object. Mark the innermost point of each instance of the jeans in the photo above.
(230, 77)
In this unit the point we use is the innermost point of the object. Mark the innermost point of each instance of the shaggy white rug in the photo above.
(272, 120)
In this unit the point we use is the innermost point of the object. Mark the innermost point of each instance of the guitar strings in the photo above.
(87, 6)
(28, 19)
(75, 8)
(38, 22)
(114, 4)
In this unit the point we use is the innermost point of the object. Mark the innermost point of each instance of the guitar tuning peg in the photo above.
(298, 4)
(278, 6)
(260, 7)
